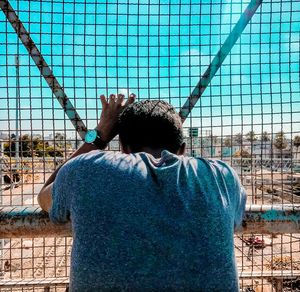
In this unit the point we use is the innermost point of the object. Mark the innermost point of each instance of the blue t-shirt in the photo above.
(146, 224)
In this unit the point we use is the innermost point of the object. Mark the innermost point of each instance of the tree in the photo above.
(251, 136)
(59, 139)
(39, 146)
(296, 143)
(280, 141)
(25, 146)
(52, 151)
(238, 139)
(62, 142)
(242, 153)
(227, 142)
(265, 137)
(33, 147)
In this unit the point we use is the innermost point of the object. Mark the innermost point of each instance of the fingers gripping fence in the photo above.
(247, 53)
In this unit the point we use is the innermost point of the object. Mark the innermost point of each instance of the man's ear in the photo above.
(181, 150)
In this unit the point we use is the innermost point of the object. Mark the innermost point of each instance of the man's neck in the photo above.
(154, 152)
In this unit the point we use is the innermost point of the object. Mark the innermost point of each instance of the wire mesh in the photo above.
(248, 116)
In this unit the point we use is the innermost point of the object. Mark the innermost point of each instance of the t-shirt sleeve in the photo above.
(61, 196)
(237, 192)
(241, 199)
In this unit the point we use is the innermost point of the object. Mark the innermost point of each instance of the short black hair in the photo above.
(150, 123)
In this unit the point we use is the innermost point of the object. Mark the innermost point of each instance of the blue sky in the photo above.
(157, 50)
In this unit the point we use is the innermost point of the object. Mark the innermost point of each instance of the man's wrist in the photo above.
(103, 136)
(95, 137)
(100, 142)
(89, 147)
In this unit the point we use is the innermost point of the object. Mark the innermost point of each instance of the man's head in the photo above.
(151, 124)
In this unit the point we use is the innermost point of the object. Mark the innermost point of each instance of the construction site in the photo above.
(57, 57)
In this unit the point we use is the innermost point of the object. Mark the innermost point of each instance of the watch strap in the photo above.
(99, 143)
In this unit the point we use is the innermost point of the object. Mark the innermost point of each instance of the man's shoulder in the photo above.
(95, 160)
(215, 166)
(95, 156)
(212, 163)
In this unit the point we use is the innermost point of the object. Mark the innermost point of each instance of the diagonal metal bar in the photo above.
(45, 70)
(218, 59)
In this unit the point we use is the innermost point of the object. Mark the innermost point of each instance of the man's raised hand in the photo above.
(111, 109)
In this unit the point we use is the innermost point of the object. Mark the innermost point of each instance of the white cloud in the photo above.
(125, 91)
(193, 57)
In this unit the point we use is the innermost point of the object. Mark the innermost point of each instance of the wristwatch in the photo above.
(94, 137)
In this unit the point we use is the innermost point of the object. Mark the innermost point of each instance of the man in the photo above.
(146, 219)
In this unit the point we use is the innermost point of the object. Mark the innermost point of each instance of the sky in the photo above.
(158, 50)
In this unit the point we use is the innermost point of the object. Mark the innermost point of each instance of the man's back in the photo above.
(146, 224)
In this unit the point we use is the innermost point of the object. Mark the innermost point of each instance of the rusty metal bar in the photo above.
(27, 222)
(271, 219)
(274, 274)
(34, 282)
(45, 70)
(22, 222)
(64, 281)
(218, 59)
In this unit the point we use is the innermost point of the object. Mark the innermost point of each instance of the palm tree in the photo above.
(280, 141)
(59, 139)
(238, 139)
(265, 137)
(227, 142)
(251, 137)
(296, 143)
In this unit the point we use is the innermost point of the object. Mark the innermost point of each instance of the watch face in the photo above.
(90, 136)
